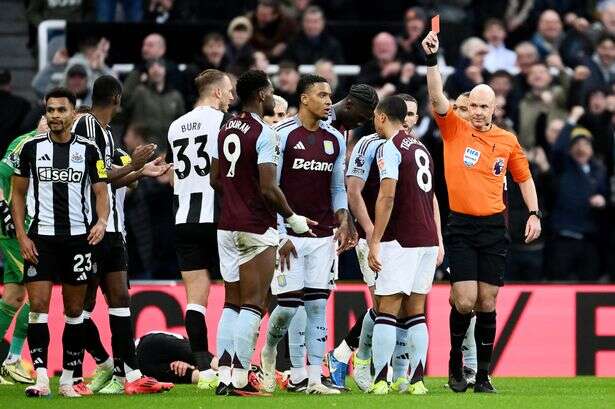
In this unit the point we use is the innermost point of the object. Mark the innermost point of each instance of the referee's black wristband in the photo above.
(432, 59)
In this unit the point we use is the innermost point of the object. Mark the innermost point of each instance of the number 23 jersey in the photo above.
(406, 160)
(245, 142)
(192, 139)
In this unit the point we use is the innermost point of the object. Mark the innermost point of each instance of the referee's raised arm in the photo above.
(438, 100)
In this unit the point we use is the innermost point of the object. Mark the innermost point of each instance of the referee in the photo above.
(476, 156)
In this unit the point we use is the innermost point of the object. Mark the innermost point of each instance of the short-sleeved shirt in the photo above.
(245, 142)
(61, 175)
(412, 222)
(312, 172)
(362, 164)
(475, 163)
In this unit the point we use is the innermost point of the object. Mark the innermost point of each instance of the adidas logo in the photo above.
(82, 277)
(38, 361)
(44, 157)
(299, 146)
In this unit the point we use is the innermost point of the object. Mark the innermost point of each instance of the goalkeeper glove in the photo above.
(8, 227)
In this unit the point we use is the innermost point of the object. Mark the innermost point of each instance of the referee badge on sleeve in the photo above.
(470, 157)
(101, 169)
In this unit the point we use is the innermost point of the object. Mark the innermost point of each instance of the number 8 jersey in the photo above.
(405, 159)
(245, 142)
(192, 139)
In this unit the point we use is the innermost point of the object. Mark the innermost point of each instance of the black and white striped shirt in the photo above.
(61, 175)
(89, 127)
(192, 140)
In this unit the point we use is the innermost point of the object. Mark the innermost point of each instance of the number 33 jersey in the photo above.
(192, 139)
(245, 142)
(406, 160)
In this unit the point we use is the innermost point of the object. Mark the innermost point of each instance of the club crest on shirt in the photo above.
(470, 157)
(76, 157)
(359, 161)
(498, 166)
(329, 149)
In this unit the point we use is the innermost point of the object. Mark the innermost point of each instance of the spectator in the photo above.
(581, 190)
(326, 69)
(517, 13)
(279, 111)
(149, 218)
(543, 98)
(527, 55)
(313, 42)
(213, 55)
(549, 35)
(155, 103)
(525, 262)
(154, 48)
(415, 23)
(576, 46)
(597, 119)
(13, 111)
(272, 28)
(167, 11)
(296, 8)
(471, 69)
(385, 71)
(259, 61)
(499, 57)
(606, 20)
(133, 9)
(78, 81)
(288, 78)
(92, 55)
(239, 33)
(601, 65)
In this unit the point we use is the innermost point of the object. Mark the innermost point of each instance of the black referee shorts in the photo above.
(110, 254)
(197, 246)
(61, 259)
(476, 247)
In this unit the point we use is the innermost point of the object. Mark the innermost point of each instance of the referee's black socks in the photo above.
(196, 328)
(484, 334)
(458, 326)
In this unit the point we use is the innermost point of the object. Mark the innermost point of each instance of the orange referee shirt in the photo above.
(475, 164)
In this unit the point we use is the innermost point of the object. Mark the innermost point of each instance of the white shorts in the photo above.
(238, 247)
(405, 269)
(362, 249)
(314, 266)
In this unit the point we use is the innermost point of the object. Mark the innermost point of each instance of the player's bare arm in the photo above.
(18, 209)
(532, 227)
(438, 100)
(354, 186)
(346, 233)
(154, 168)
(384, 207)
(139, 158)
(102, 210)
(436, 216)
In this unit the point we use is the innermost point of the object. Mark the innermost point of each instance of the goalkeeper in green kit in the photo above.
(14, 292)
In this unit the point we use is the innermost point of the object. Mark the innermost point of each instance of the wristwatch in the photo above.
(536, 213)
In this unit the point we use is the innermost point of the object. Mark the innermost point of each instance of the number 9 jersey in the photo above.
(406, 160)
(245, 142)
(192, 139)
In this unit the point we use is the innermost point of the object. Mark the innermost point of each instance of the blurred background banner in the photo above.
(546, 330)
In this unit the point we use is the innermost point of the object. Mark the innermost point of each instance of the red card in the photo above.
(435, 24)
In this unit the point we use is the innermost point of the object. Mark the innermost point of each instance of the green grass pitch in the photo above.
(518, 393)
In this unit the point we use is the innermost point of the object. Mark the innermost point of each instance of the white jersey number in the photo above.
(233, 157)
(423, 175)
(182, 144)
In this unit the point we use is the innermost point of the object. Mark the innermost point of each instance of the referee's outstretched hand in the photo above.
(532, 229)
